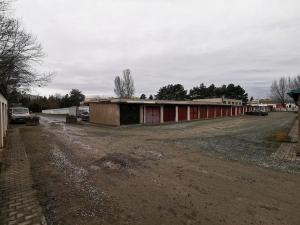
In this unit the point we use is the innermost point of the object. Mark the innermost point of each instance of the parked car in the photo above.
(257, 113)
(19, 114)
(85, 116)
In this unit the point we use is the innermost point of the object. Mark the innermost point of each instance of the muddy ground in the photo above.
(203, 172)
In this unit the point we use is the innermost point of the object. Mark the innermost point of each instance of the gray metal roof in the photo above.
(156, 102)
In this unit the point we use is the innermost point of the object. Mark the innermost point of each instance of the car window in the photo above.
(20, 111)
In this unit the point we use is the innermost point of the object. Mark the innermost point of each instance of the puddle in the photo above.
(117, 161)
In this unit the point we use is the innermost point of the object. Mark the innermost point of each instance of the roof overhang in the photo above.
(158, 102)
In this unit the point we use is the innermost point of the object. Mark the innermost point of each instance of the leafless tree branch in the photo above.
(19, 52)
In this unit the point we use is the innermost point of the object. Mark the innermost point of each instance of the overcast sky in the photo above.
(88, 43)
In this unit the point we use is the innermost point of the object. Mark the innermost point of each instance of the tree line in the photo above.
(39, 103)
(124, 88)
(178, 92)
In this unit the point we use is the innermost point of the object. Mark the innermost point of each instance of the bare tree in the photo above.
(279, 90)
(128, 84)
(295, 82)
(19, 51)
(119, 87)
(124, 87)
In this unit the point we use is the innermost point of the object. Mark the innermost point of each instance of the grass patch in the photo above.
(281, 136)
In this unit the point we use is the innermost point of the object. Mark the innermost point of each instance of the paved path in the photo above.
(18, 200)
(287, 150)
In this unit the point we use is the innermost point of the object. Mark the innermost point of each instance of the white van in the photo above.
(19, 114)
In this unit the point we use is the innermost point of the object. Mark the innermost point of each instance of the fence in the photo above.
(73, 111)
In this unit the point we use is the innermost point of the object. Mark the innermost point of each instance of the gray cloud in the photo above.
(89, 42)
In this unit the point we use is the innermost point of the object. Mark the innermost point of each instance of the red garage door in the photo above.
(233, 111)
(182, 113)
(224, 110)
(203, 112)
(228, 113)
(169, 113)
(211, 111)
(194, 112)
(152, 114)
(218, 111)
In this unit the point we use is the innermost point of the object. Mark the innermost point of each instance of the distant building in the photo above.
(90, 98)
(223, 100)
(271, 105)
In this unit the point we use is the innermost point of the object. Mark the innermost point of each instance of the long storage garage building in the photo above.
(116, 112)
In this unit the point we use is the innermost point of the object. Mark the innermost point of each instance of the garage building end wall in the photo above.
(105, 113)
(3, 119)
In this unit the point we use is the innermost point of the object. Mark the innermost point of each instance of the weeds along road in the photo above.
(203, 172)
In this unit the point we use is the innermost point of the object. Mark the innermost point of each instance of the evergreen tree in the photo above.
(172, 92)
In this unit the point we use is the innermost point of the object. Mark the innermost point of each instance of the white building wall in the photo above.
(56, 111)
(3, 119)
(72, 111)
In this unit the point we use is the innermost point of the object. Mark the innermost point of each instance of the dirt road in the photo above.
(204, 172)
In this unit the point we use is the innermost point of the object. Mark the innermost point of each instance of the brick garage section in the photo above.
(18, 200)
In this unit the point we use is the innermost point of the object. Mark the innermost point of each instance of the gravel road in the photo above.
(202, 172)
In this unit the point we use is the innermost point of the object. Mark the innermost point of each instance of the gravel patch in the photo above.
(75, 175)
(253, 144)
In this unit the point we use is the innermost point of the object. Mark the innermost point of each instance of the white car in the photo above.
(19, 114)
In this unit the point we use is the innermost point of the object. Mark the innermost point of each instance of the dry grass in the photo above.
(281, 136)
